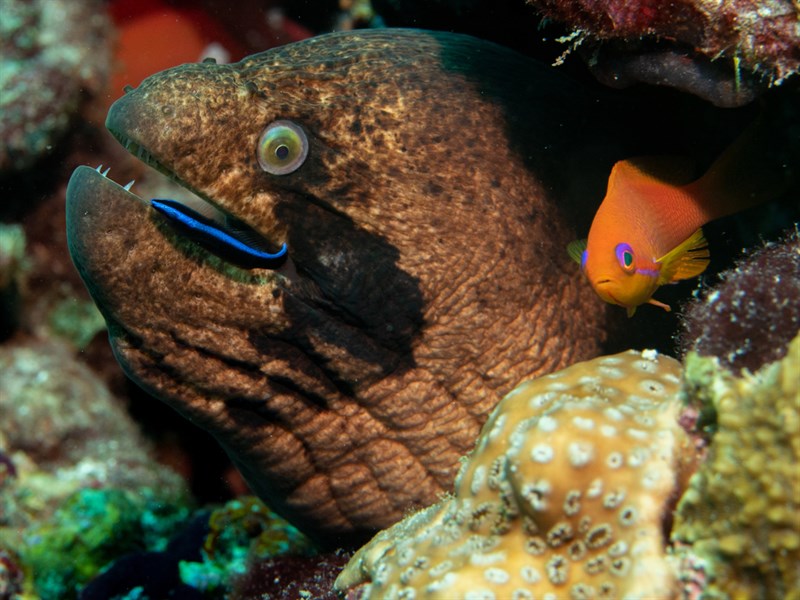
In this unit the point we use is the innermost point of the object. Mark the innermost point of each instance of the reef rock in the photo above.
(706, 47)
(61, 431)
(51, 53)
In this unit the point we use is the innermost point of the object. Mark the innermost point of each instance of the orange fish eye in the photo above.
(625, 257)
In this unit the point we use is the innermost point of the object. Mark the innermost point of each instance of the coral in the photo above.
(565, 495)
(242, 531)
(748, 319)
(52, 53)
(753, 36)
(249, 518)
(740, 512)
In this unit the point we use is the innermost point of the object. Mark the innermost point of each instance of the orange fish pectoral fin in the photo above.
(686, 260)
(575, 249)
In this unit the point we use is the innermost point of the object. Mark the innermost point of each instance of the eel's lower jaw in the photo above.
(128, 187)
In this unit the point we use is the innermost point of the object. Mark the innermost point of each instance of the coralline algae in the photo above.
(703, 46)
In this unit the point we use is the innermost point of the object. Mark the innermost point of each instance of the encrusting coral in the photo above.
(565, 495)
(739, 520)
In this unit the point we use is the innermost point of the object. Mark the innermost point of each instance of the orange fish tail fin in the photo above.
(686, 260)
(754, 169)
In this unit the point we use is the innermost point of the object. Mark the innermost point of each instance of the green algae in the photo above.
(89, 531)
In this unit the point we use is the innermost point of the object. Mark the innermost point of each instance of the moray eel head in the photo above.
(413, 177)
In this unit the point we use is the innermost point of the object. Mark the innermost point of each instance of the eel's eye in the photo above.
(282, 148)
(625, 257)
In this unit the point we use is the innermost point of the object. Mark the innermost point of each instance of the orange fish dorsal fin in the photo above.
(675, 170)
(575, 250)
(686, 260)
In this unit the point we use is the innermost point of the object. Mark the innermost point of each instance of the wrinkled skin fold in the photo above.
(427, 272)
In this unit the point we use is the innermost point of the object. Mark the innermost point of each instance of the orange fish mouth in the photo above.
(610, 295)
(603, 292)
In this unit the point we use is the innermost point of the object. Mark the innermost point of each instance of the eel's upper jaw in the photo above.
(144, 155)
(121, 122)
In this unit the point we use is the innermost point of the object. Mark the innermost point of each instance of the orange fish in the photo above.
(647, 231)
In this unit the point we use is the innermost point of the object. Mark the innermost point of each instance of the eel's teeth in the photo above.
(99, 168)
(105, 173)
(129, 185)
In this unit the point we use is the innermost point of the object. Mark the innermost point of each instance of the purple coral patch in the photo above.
(749, 318)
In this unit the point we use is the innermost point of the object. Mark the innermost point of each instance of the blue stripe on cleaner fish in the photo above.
(213, 237)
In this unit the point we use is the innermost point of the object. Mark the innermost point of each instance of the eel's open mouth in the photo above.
(198, 219)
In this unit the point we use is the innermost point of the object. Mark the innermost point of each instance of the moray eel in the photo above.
(425, 274)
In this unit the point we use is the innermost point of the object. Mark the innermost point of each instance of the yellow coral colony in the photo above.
(741, 513)
(564, 495)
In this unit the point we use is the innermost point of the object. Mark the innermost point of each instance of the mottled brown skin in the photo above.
(427, 230)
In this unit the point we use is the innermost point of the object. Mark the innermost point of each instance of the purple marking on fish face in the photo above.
(648, 272)
(584, 256)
